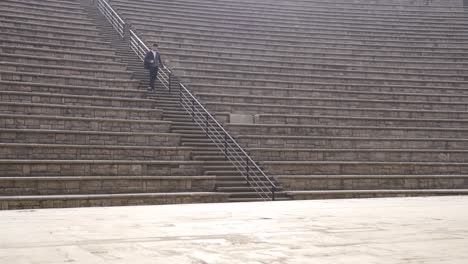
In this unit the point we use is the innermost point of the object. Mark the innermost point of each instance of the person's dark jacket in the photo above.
(151, 61)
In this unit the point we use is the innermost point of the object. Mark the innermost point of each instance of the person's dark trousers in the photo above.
(153, 72)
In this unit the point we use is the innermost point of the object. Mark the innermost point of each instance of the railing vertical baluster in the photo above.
(193, 108)
(226, 146)
(247, 168)
(180, 93)
(170, 81)
(273, 187)
(206, 123)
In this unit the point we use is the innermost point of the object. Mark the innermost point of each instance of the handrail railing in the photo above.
(114, 19)
(233, 152)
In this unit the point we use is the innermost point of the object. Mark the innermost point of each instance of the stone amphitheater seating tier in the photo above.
(335, 98)
(75, 128)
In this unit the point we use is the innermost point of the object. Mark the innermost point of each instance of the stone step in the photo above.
(49, 33)
(219, 157)
(322, 69)
(363, 167)
(244, 200)
(226, 24)
(347, 194)
(49, 16)
(305, 54)
(372, 182)
(64, 201)
(411, 45)
(171, 32)
(62, 6)
(344, 102)
(358, 121)
(318, 20)
(82, 124)
(222, 173)
(67, 80)
(38, 25)
(28, 168)
(285, 109)
(56, 40)
(299, 81)
(236, 183)
(90, 152)
(69, 89)
(289, 9)
(79, 111)
(73, 185)
(259, 141)
(374, 154)
(49, 20)
(80, 100)
(108, 56)
(43, 136)
(331, 56)
(346, 131)
(71, 66)
(44, 10)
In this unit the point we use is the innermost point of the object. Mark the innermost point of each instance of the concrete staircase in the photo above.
(335, 98)
(75, 130)
(228, 179)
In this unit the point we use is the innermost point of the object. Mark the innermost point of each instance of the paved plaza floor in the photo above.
(390, 230)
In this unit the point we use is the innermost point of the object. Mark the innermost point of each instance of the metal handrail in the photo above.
(114, 19)
(243, 163)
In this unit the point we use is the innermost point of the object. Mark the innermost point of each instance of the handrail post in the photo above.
(180, 93)
(170, 81)
(225, 146)
(273, 187)
(206, 123)
(193, 108)
(247, 168)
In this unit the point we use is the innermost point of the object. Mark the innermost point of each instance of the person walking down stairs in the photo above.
(152, 63)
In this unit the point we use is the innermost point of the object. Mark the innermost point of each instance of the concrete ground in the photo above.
(393, 230)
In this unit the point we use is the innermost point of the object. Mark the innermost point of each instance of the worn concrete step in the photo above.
(90, 152)
(360, 93)
(221, 173)
(49, 33)
(259, 141)
(344, 102)
(358, 121)
(374, 154)
(372, 182)
(82, 124)
(63, 201)
(31, 87)
(79, 111)
(319, 20)
(245, 200)
(346, 194)
(364, 167)
(67, 80)
(39, 25)
(73, 66)
(43, 10)
(56, 185)
(56, 40)
(346, 131)
(289, 109)
(80, 100)
(58, 53)
(219, 157)
(47, 136)
(28, 168)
